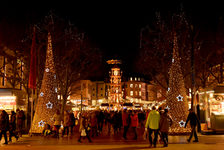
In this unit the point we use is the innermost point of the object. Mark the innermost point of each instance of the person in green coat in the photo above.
(152, 125)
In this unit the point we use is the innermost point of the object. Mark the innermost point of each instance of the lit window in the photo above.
(140, 86)
(136, 85)
(138, 79)
(131, 78)
(131, 93)
(131, 85)
(135, 79)
(140, 94)
(136, 93)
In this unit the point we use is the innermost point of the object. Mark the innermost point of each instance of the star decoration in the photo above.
(41, 94)
(47, 69)
(182, 123)
(167, 107)
(180, 98)
(49, 105)
(41, 123)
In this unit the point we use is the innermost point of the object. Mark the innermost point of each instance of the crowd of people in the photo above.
(91, 124)
(12, 124)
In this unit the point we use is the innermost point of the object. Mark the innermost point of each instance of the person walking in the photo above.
(134, 123)
(84, 129)
(57, 122)
(4, 123)
(20, 118)
(194, 121)
(152, 125)
(12, 126)
(164, 124)
(66, 123)
(125, 121)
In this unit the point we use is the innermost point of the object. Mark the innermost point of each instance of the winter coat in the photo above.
(57, 119)
(4, 121)
(134, 120)
(165, 122)
(153, 120)
(193, 119)
(84, 124)
(66, 122)
(125, 118)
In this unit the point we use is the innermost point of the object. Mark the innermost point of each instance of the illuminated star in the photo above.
(167, 107)
(41, 123)
(49, 105)
(182, 123)
(180, 98)
(47, 69)
(41, 94)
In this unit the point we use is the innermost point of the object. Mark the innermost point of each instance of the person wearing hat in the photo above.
(194, 121)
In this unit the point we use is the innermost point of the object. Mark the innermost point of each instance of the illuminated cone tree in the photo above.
(47, 100)
(176, 95)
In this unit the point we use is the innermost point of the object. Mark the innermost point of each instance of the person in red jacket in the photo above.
(125, 122)
(134, 123)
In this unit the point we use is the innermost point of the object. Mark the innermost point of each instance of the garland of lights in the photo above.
(47, 101)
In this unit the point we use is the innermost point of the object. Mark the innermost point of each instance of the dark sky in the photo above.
(112, 25)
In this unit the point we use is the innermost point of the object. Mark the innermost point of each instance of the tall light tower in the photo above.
(115, 94)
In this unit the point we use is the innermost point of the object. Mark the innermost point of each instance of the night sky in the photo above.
(113, 26)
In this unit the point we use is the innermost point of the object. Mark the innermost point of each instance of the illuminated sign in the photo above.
(7, 100)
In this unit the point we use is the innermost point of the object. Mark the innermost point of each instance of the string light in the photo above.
(47, 101)
(177, 91)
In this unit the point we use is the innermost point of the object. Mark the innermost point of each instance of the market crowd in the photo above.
(91, 124)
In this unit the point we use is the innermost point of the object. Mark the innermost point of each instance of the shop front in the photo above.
(212, 106)
(7, 101)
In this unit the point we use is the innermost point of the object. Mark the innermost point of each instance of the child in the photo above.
(47, 130)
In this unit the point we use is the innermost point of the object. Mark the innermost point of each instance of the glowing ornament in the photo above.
(180, 98)
(182, 123)
(41, 94)
(47, 69)
(41, 123)
(49, 105)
